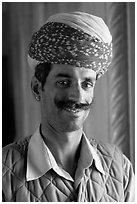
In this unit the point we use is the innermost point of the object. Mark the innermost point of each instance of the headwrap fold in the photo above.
(77, 38)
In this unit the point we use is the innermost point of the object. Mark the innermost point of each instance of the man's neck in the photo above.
(65, 147)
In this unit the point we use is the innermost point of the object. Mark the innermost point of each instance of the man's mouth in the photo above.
(72, 110)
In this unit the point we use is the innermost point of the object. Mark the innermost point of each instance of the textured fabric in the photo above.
(46, 161)
(116, 185)
(77, 39)
(90, 24)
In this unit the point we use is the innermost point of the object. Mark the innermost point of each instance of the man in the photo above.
(58, 163)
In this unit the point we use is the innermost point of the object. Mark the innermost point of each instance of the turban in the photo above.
(77, 38)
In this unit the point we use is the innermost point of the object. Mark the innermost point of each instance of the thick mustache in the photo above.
(62, 104)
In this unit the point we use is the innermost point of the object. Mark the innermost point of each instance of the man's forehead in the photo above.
(61, 70)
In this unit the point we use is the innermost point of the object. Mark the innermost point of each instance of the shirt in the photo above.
(40, 159)
(29, 174)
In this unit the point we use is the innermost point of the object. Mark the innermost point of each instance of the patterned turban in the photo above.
(77, 38)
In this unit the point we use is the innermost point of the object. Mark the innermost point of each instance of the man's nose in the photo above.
(76, 93)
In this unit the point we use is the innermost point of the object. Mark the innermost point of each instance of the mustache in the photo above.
(70, 104)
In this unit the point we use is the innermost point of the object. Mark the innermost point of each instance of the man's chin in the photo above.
(73, 124)
(71, 120)
(72, 127)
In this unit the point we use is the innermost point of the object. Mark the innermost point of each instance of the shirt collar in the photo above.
(37, 164)
(87, 155)
(40, 159)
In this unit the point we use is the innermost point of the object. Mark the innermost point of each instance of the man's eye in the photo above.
(63, 83)
(87, 85)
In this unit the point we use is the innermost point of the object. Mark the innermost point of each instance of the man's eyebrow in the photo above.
(90, 79)
(63, 75)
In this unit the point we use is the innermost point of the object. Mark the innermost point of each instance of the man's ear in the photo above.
(36, 88)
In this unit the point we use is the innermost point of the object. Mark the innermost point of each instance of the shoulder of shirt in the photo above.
(105, 148)
(109, 154)
(112, 152)
(127, 166)
(15, 150)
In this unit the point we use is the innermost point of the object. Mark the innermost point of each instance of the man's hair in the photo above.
(42, 71)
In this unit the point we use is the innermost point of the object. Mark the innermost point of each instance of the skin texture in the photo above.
(62, 125)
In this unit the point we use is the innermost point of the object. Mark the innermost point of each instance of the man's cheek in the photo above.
(60, 97)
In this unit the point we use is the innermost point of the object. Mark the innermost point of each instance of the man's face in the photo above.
(67, 97)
